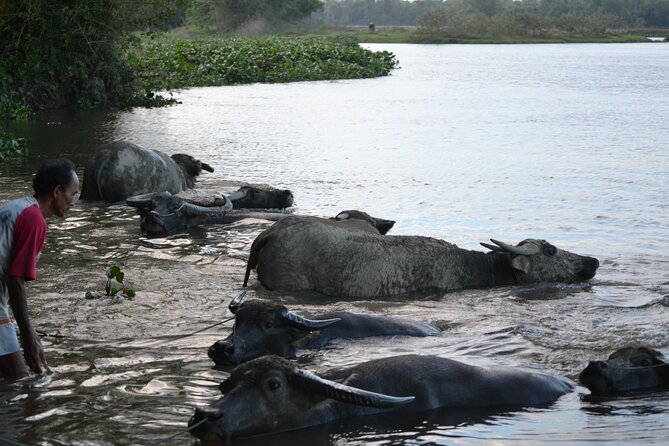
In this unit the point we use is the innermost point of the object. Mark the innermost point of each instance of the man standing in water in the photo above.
(22, 235)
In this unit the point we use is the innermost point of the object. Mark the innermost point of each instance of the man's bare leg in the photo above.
(12, 366)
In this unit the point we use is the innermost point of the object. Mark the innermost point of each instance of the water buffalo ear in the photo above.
(521, 263)
(383, 225)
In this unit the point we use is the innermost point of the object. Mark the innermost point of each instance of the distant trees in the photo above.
(618, 13)
(243, 15)
(383, 12)
(457, 19)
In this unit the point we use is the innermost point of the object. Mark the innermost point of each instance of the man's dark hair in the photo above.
(51, 174)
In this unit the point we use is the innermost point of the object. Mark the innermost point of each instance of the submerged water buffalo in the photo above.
(351, 258)
(162, 213)
(261, 197)
(120, 169)
(627, 370)
(264, 328)
(271, 394)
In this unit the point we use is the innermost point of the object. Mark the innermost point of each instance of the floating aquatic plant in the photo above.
(114, 286)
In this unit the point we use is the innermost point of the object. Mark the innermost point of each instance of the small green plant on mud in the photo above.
(114, 286)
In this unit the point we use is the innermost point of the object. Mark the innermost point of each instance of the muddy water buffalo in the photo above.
(120, 169)
(271, 394)
(264, 328)
(162, 213)
(261, 197)
(627, 370)
(351, 258)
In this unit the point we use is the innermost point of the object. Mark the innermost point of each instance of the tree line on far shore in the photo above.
(621, 14)
(84, 53)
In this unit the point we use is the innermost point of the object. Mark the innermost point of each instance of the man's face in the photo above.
(65, 198)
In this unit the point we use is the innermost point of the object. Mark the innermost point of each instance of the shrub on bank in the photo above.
(10, 146)
(164, 64)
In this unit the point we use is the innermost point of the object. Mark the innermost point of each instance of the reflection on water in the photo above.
(463, 143)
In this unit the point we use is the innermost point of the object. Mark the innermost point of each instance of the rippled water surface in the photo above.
(563, 142)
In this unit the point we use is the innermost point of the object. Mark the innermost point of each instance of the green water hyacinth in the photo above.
(164, 64)
(114, 286)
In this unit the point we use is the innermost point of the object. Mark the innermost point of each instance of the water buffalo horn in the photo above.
(194, 209)
(309, 324)
(139, 201)
(491, 247)
(525, 250)
(236, 302)
(347, 394)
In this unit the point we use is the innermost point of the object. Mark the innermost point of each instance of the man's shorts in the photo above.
(9, 342)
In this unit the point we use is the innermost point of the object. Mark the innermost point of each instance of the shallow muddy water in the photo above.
(568, 143)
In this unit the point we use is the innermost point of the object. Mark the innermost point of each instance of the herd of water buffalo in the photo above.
(348, 256)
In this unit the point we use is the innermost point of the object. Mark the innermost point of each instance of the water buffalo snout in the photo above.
(222, 352)
(152, 217)
(202, 414)
(590, 266)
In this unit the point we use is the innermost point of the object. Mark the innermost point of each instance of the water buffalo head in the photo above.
(262, 328)
(191, 167)
(253, 197)
(271, 394)
(382, 225)
(626, 370)
(164, 214)
(535, 261)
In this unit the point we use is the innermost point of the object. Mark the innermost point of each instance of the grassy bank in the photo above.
(167, 64)
(410, 34)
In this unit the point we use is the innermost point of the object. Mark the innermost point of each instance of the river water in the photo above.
(569, 143)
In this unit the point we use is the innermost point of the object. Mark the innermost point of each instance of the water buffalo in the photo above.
(350, 258)
(271, 394)
(264, 328)
(261, 197)
(120, 169)
(162, 213)
(627, 370)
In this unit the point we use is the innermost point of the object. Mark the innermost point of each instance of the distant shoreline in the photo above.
(411, 34)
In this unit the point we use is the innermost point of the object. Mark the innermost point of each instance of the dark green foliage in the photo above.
(58, 53)
(10, 146)
(61, 54)
(170, 64)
